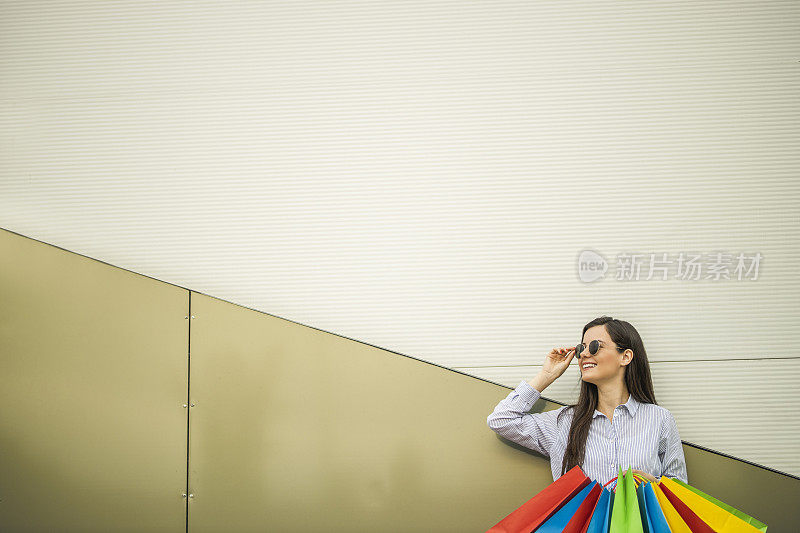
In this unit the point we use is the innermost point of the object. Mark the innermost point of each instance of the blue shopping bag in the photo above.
(557, 522)
(656, 521)
(602, 513)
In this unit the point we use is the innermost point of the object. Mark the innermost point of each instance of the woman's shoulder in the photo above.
(658, 412)
(565, 412)
(652, 407)
(558, 413)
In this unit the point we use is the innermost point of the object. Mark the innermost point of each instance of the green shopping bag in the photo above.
(625, 514)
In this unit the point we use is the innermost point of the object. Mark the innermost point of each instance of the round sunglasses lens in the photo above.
(593, 347)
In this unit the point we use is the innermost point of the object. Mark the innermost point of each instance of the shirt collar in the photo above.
(631, 405)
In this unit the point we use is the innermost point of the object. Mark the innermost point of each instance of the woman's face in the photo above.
(609, 361)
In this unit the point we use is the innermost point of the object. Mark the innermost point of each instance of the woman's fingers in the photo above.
(569, 353)
(645, 475)
(563, 355)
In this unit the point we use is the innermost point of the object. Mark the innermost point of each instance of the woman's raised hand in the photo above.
(554, 365)
(557, 362)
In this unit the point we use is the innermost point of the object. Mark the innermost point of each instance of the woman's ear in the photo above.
(627, 357)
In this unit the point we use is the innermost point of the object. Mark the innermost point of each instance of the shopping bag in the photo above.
(656, 521)
(580, 520)
(535, 511)
(601, 514)
(717, 518)
(760, 526)
(695, 523)
(647, 523)
(625, 515)
(558, 522)
(673, 517)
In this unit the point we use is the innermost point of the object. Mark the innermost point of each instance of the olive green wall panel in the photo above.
(770, 496)
(296, 429)
(93, 378)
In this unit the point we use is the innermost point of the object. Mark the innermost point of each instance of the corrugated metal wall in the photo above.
(423, 176)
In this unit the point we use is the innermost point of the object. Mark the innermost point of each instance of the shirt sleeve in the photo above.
(670, 451)
(511, 420)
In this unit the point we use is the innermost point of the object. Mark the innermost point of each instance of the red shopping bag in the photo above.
(532, 513)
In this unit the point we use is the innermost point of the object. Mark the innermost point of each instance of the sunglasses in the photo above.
(594, 346)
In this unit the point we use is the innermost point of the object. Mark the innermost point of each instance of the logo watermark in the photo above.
(716, 266)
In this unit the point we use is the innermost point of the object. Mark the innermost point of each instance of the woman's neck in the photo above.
(611, 395)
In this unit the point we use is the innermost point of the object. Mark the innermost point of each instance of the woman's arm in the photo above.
(670, 451)
(511, 419)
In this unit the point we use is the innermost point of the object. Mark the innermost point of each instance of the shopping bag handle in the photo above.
(636, 477)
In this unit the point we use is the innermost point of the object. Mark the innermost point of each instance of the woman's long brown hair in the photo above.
(637, 379)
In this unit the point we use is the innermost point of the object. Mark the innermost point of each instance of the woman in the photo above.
(616, 422)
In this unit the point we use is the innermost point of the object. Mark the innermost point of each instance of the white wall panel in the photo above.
(422, 176)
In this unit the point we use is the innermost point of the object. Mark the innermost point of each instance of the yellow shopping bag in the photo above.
(715, 516)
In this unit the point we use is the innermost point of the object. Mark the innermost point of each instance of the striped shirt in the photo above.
(643, 436)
